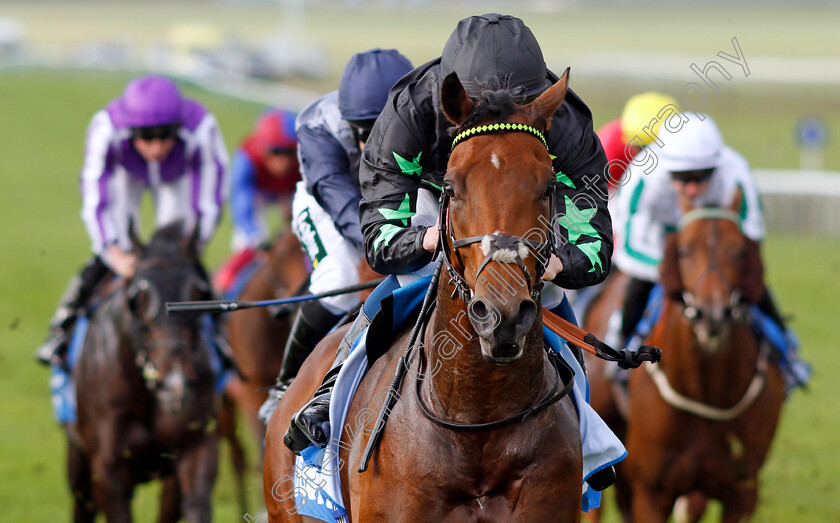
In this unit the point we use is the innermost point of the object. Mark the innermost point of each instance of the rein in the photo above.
(498, 245)
(691, 406)
(497, 242)
(565, 375)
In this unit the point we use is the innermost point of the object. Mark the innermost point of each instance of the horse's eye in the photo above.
(449, 190)
(549, 191)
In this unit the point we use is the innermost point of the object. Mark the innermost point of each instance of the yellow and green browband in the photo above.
(496, 127)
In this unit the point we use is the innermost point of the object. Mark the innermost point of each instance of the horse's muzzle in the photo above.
(502, 329)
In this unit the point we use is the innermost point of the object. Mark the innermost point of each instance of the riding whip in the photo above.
(174, 307)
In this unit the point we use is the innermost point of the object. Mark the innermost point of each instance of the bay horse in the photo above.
(146, 392)
(256, 337)
(704, 421)
(457, 446)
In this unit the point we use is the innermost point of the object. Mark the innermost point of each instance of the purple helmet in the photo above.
(151, 101)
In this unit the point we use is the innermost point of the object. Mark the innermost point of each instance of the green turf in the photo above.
(43, 115)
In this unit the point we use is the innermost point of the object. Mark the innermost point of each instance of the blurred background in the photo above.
(60, 62)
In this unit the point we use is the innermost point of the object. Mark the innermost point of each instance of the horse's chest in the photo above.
(479, 465)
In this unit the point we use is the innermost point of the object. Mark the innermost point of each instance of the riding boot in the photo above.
(312, 322)
(54, 349)
(311, 425)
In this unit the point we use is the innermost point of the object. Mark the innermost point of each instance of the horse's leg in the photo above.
(170, 500)
(739, 503)
(112, 486)
(249, 397)
(78, 473)
(690, 507)
(227, 430)
(196, 471)
(650, 506)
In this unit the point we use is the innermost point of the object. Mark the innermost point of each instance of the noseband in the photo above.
(496, 246)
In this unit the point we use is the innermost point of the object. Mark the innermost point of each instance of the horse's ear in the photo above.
(137, 246)
(544, 107)
(735, 204)
(455, 102)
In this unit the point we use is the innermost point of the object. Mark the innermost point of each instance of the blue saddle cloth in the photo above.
(316, 486)
(63, 387)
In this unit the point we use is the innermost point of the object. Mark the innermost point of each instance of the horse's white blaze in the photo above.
(495, 160)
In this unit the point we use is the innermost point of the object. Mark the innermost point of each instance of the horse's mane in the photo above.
(496, 101)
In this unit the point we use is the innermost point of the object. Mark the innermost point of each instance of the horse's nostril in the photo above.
(483, 318)
(527, 313)
(478, 309)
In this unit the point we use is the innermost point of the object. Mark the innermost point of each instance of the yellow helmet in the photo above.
(638, 113)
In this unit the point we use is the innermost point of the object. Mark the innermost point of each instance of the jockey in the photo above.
(405, 160)
(264, 171)
(150, 138)
(690, 161)
(623, 138)
(331, 135)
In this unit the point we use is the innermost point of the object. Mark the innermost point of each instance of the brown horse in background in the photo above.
(146, 392)
(256, 337)
(605, 395)
(704, 422)
(428, 466)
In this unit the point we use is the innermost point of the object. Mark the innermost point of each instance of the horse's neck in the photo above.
(462, 385)
(116, 338)
(717, 379)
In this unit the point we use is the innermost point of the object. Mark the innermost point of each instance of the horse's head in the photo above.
(495, 210)
(708, 256)
(165, 346)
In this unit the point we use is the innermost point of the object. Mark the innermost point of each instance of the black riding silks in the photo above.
(410, 145)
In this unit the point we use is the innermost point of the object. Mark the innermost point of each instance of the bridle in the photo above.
(507, 249)
(497, 246)
(140, 328)
(735, 309)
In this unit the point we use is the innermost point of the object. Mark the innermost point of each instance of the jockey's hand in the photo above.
(121, 262)
(432, 236)
(555, 267)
